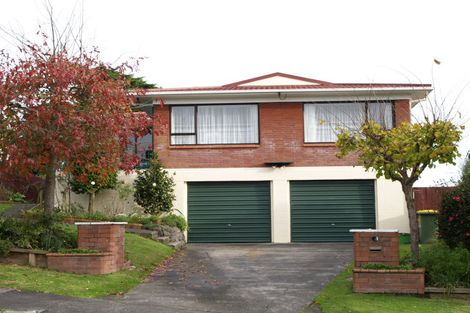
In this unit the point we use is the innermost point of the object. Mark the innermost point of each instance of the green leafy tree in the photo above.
(402, 154)
(154, 188)
(91, 181)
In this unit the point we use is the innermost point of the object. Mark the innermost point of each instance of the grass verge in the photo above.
(4, 206)
(337, 297)
(145, 255)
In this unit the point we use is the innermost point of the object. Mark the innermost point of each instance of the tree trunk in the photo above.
(49, 188)
(413, 219)
(91, 202)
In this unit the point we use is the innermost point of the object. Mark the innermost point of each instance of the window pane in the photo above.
(225, 124)
(322, 121)
(382, 114)
(182, 120)
(183, 140)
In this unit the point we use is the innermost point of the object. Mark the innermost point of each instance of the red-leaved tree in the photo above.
(59, 110)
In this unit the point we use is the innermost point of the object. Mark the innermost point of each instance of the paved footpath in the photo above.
(210, 278)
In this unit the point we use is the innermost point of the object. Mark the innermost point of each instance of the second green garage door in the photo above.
(325, 210)
(229, 212)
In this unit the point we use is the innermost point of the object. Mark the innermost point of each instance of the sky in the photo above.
(209, 42)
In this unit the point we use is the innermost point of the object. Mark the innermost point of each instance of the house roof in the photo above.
(270, 87)
(285, 81)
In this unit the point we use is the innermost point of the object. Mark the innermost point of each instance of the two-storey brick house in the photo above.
(255, 161)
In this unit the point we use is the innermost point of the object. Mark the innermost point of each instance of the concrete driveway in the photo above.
(249, 278)
(243, 278)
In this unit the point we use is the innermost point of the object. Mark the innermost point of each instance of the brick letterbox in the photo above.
(376, 246)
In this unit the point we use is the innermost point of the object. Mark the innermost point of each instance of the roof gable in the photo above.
(278, 79)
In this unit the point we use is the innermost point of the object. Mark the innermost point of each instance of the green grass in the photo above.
(4, 206)
(338, 297)
(145, 255)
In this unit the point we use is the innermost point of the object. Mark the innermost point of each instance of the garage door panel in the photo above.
(229, 212)
(325, 211)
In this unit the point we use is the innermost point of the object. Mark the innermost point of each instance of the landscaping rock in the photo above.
(168, 235)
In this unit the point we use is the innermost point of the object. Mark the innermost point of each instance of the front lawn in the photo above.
(145, 254)
(4, 206)
(338, 297)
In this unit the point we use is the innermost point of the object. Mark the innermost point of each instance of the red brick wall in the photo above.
(281, 139)
(83, 263)
(402, 111)
(103, 238)
(366, 252)
(388, 281)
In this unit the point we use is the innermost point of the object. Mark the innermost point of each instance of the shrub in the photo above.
(446, 267)
(17, 197)
(379, 266)
(38, 230)
(5, 246)
(154, 188)
(454, 218)
(175, 220)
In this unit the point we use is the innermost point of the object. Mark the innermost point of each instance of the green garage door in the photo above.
(229, 212)
(325, 210)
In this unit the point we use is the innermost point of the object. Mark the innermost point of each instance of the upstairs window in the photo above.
(214, 124)
(322, 121)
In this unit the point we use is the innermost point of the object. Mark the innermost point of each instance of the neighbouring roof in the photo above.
(294, 86)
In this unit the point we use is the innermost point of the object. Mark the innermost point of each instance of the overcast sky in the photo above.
(200, 43)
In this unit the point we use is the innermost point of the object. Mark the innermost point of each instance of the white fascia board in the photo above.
(260, 96)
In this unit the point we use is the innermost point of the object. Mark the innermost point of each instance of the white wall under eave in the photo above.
(390, 202)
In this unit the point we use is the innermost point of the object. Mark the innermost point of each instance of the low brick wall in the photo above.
(26, 257)
(376, 247)
(388, 281)
(83, 263)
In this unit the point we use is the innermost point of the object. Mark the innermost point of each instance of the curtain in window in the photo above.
(381, 113)
(322, 121)
(182, 122)
(226, 124)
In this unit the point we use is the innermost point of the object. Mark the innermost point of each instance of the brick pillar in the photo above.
(103, 237)
(376, 246)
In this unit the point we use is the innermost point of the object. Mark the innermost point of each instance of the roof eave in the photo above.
(291, 95)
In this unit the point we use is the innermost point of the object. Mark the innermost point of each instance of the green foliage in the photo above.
(38, 230)
(134, 218)
(154, 188)
(454, 218)
(133, 82)
(338, 297)
(77, 250)
(17, 197)
(175, 221)
(404, 152)
(445, 267)
(379, 266)
(5, 246)
(405, 238)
